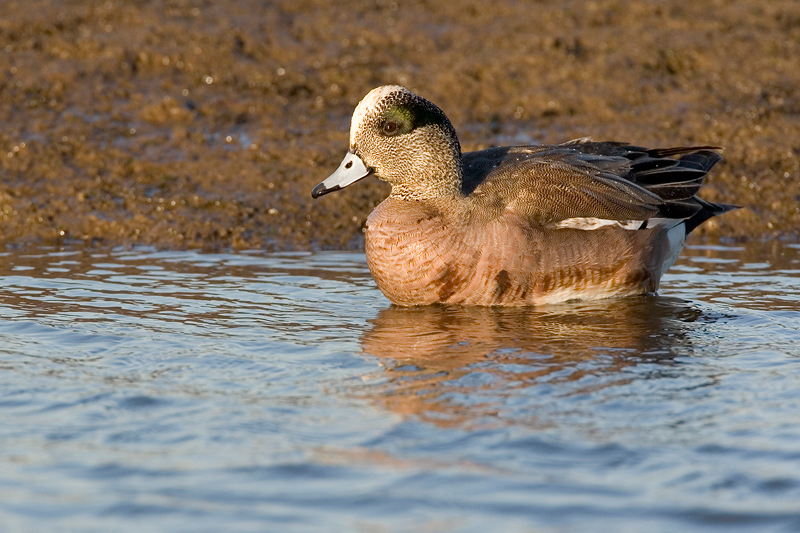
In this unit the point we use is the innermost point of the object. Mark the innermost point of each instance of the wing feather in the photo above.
(585, 179)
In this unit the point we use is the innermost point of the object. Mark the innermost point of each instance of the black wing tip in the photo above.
(680, 150)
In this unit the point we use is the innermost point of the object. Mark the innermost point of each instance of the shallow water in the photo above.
(178, 391)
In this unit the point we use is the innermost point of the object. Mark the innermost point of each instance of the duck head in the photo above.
(403, 139)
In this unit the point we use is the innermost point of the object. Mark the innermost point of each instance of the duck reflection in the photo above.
(442, 362)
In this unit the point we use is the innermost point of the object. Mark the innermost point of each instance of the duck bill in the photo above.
(350, 171)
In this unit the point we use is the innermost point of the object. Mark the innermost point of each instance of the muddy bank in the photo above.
(206, 124)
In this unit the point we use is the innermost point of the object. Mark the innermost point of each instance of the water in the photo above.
(179, 391)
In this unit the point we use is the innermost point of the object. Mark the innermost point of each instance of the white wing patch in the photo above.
(591, 223)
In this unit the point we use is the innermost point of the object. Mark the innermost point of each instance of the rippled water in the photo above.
(178, 391)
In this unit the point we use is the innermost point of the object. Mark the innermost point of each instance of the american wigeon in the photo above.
(520, 225)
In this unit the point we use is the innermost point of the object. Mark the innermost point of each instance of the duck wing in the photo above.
(590, 180)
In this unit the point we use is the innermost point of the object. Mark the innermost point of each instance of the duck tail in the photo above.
(707, 210)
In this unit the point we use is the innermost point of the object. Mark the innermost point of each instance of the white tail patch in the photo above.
(369, 103)
(676, 236)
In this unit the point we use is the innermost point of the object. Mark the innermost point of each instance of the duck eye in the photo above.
(390, 128)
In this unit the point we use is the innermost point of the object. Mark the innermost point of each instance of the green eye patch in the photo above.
(404, 117)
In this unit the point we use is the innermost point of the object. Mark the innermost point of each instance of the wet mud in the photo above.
(185, 124)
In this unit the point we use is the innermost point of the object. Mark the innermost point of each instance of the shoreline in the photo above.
(186, 127)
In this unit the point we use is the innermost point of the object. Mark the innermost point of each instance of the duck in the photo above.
(516, 225)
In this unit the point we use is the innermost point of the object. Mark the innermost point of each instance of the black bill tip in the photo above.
(320, 190)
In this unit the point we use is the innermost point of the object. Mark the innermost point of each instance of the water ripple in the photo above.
(175, 391)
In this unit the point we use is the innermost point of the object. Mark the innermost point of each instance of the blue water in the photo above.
(180, 391)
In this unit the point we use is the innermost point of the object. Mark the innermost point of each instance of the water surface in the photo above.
(179, 391)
